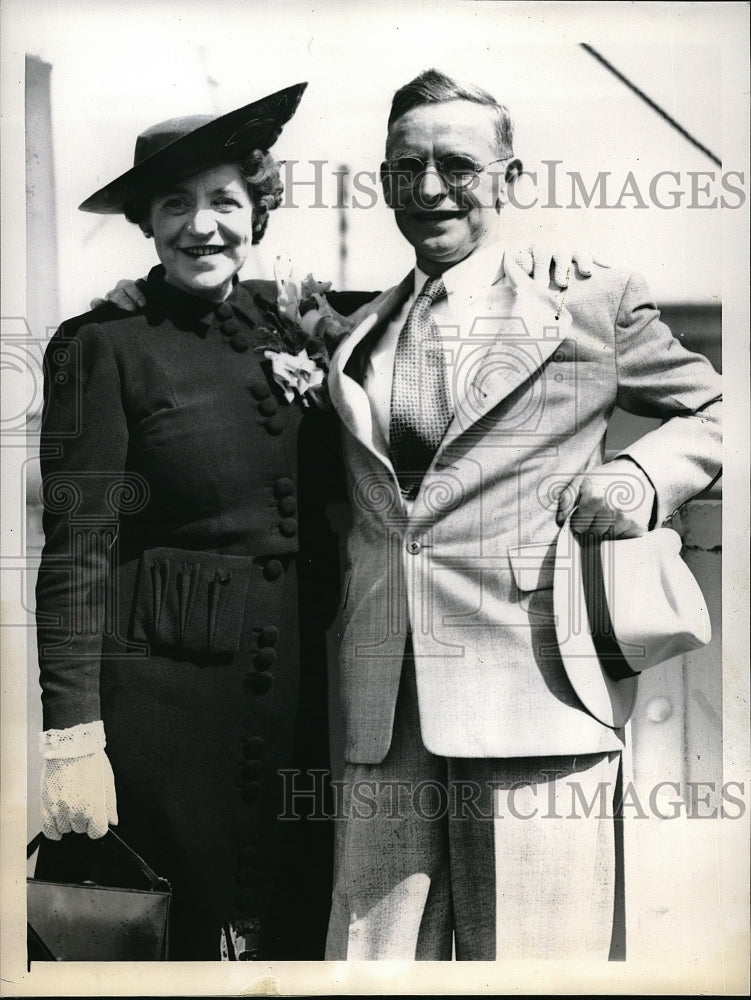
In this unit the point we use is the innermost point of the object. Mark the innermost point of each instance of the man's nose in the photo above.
(202, 222)
(430, 187)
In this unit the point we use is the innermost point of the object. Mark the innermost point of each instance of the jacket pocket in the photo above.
(193, 601)
(533, 566)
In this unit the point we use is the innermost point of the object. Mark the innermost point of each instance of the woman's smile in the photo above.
(203, 229)
(202, 251)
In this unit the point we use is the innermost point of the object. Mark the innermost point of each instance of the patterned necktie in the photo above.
(420, 400)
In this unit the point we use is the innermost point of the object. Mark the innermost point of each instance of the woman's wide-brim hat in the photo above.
(179, 147)
(621, 607)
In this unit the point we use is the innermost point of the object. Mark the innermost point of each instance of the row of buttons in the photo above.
(251, 768)
(286, 504)
(261, 680)
(230, 327)
(267, 406)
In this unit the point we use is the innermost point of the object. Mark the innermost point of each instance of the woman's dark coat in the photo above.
(186, 554)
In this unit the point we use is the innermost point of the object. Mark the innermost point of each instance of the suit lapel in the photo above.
(345, 373)
(521, 339)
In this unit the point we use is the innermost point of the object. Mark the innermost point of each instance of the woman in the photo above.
(182, 551)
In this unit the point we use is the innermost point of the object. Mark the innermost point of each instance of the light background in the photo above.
(118, 67)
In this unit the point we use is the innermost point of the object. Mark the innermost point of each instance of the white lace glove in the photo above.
(77, 787)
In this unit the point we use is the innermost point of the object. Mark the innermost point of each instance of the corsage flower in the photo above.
(303, 332)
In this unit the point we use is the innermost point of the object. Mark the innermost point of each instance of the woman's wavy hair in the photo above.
(262, 179)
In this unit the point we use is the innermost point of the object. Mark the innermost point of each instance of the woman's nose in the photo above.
(202, 222)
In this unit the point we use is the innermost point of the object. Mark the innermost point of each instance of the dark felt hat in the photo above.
(182, 146)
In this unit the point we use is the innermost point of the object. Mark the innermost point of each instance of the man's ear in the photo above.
(514, 170)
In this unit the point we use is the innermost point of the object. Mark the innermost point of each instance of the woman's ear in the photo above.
(146, 229)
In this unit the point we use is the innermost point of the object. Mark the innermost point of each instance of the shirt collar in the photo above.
(479, 270)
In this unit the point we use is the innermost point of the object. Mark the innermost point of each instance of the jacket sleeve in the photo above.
(658, 377)
(83, 449)
(348, 303)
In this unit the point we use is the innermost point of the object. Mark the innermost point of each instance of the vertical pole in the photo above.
(42, 303)
(342, 203)
(42, 315)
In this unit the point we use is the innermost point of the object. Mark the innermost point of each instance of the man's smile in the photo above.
(440, 215)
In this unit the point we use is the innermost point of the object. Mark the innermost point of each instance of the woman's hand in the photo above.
(77, 786)
(78, 795)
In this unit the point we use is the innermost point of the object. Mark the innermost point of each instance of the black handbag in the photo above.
(95, 901)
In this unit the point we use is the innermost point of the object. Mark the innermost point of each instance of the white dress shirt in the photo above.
(467, 285)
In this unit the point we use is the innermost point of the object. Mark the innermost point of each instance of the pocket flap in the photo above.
(533, 566)
(194, 601)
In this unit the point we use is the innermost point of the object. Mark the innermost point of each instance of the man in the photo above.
(475, 405)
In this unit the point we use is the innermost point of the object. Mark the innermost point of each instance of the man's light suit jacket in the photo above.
(469, 567)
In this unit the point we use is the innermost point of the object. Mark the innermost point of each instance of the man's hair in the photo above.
(434, 87)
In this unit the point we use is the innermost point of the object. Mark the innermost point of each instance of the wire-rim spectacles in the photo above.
(455, 169)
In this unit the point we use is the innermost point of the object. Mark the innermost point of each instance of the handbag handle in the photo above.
(156, 882)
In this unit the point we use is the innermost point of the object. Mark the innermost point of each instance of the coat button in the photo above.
(223, 311)
(283, 487)
(229, 327)
(268, 407)
(259, 390)
(413, 546)
(253, 747)
(239, 343)
(288, 527)
(273, 569)
(275, 425)
(265, 659)
(261, 683)
(268, 636)
(287, 506)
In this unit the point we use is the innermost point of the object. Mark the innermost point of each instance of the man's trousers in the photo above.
(480, 859)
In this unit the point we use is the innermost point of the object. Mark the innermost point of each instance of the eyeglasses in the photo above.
(457, 171)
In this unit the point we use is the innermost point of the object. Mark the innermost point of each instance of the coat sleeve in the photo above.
(83, 448)
(658, 377)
